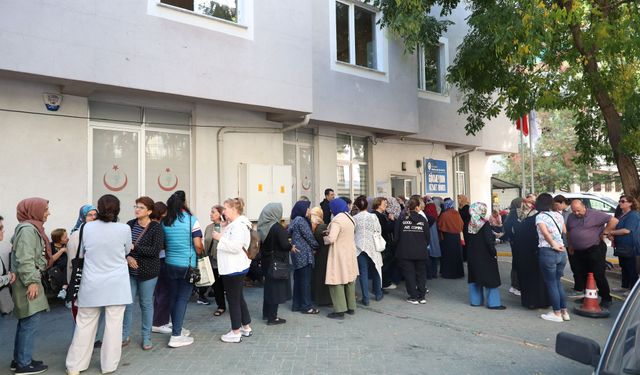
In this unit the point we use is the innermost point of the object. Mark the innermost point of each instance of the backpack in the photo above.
(254, 244)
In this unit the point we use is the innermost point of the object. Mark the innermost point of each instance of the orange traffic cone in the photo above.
(590, 306)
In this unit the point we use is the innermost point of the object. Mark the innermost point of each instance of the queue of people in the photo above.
(314, 261)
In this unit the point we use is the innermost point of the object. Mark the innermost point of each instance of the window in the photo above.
(353, 168)
(461, 164)
(298, 153)
(356, 35)
(600, 206)
(138, 151)
(432, 66)
(223, 9)
(607, 187)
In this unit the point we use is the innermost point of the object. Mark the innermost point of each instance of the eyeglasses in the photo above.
(622, 201)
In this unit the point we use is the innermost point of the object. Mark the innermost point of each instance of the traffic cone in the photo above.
(590, 306)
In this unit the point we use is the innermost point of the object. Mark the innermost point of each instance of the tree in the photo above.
(577, 55)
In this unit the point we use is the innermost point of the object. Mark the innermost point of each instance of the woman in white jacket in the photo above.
(233, 265)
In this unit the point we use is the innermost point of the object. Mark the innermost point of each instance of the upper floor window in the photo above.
(224, 9)
(432, 66)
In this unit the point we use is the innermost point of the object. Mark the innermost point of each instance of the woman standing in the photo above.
(161, 301)
(28, 257)
(552, 256)
(211, 246)
(387, 210)
(321, 294)
(463, 209)
(275, 248)
(484, 275)
(623, 239)
(183, 241)
(517, 214)
(302, 257)
(412, 236)
(342, 265)
(450, 226)
(367, 227)
(533, 292)
(233, 265)
(105, 284)
(430, 210)
(496, 223)
(147, 237)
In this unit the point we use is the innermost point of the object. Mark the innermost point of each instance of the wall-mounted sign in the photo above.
(435, 172)
(52, 101)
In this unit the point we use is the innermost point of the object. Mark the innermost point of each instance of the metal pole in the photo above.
(531, 155)
(524, 180)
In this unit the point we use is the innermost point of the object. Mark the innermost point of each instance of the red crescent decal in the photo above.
(168, 188)
(115, 188)
(306, 186)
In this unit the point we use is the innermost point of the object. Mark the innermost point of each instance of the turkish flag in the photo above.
(522, 124)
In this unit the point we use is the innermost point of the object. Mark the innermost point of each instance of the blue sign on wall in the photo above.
(435, 172)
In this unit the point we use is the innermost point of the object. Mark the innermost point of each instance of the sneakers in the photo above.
(422, 301)
(336, 315)
(514, 291)
(32, 368)
(575, 294)
(552, 317)
(246, 332)
(162, 329)
(179, 341)
(392, 286)
(14, 364)
(231, 337)
(202, 300)
(565, 316)
(412, 301)
(62, 294)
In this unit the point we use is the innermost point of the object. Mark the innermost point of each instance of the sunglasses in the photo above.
(622, 201)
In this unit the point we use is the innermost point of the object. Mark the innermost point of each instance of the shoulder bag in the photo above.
(77, 264)
(192, 276)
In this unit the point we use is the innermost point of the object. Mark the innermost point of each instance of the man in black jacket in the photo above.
(329, 195)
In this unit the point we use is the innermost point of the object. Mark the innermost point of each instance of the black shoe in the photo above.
(336, 315)
(14, 364)
(497, 307)
(351, 312)
(276, 321)
(605, 304)
(32, 369)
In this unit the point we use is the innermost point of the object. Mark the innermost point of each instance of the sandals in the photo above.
(219, 312)
(311, 311)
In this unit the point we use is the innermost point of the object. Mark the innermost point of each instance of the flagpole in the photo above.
(531, 155)
(524, 180)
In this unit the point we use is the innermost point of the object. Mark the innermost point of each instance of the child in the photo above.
(58, 271)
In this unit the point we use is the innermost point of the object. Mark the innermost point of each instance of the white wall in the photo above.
(480, 178)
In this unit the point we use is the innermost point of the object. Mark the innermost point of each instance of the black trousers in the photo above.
(579, 282)
(238, 311)
(629, 272)
(218, 290)
(269, 310)
(415, 277)
(593, 260)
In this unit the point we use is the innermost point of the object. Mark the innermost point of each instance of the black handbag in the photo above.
(279, 270)
(192, 276)
(77, 264)
(624, 252)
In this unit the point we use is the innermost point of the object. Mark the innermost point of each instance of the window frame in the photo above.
(352, 162)
(382, 46)
(444, 96)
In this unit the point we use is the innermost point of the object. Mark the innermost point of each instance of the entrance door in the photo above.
(403, 185)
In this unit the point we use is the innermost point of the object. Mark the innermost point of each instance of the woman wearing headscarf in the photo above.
(28, 256)
(87, 213)
(450, 226)
(518, 211)
(435, 253)
(302, 257)
(367, 227)
(463, 209)
(320, 290)
(275, 247)
(484, 276)
(342, 265)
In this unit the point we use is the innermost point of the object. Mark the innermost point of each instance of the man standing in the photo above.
(560, 205)
(586, 230)
(329, 195)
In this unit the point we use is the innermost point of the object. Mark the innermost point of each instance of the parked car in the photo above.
(595, 202)
(620, 354)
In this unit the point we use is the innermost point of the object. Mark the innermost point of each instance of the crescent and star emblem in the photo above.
(168, 188)
(115, 188)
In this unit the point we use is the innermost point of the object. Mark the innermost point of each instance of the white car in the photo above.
(592, 201)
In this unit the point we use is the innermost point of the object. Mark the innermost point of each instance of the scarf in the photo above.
(438, 202)
(300, 209)
(31, 210)
(338, 206)
(478, 211)
(393, 207)
(317, 216)
(270, 215)
(431, 211)
(448, 204)
(82, 216)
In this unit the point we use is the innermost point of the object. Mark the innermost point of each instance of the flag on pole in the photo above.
(533, 126)
(522, 124)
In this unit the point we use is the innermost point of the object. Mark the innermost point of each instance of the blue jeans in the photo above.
(144, 289)
(179, 293)
(25, 336)
(302, 289)
(477, 295)
(552, 265)
(363, 266)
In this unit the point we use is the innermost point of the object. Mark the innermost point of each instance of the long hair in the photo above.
(411, 206)
(176, 204)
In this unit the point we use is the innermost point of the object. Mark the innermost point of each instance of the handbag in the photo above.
(279, 270)
(206, 272)
(379, 242)
(77, 264)
(192, 276)
(6, 302)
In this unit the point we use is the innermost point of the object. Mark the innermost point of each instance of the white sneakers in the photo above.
(168, 329)
(246, 332)
(232, 337)
(179, 341)
(565, 316)
(552, 317)
(390, 287)
(514, 291)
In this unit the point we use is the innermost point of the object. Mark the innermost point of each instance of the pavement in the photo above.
(445, 336)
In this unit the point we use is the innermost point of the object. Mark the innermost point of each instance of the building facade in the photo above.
(162, 95)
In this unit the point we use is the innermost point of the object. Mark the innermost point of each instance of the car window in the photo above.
(599, 205)
(622, 356)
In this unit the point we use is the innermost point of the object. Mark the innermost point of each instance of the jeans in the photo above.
(552, 265)
(179, 293)
(363, 266)
(144, 290)
(238, 311)
(25, 336)
(302, 289)
(629, 272)
(477, 295)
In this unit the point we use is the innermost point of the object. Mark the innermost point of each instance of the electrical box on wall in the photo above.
(260, 184)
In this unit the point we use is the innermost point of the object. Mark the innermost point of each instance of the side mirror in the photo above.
(578, 348)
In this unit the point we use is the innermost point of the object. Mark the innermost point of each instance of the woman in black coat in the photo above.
(482, 261)
(532, 288)
(320, 290)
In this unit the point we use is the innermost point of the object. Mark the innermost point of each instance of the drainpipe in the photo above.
(293, 126)
(455, 169)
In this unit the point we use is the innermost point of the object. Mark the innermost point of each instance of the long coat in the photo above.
(342, 264)
(27, 262)
(482, 258)
(276, 246)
